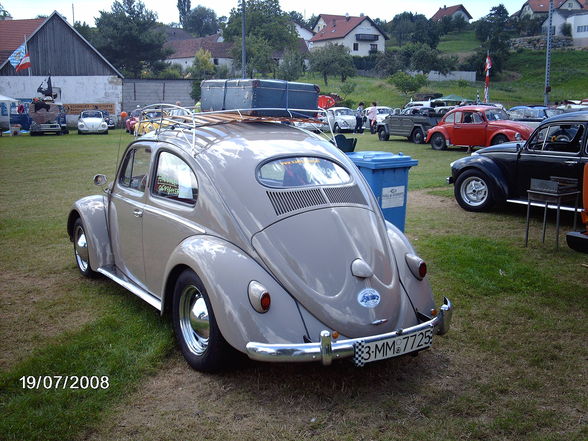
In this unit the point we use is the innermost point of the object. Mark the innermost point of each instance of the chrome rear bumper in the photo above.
(328, 349)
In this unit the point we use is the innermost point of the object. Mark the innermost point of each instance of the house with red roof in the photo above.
(184, 50)
(361, 35)
(453, 12)
(540, 8)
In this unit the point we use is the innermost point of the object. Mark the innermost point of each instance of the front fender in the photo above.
(437, 129)
(485, 165)
(93, 212)
(226, 271)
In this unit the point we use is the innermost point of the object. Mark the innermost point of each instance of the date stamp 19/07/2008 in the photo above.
(65, 382)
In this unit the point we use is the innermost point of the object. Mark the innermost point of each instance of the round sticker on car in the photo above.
(368, 298)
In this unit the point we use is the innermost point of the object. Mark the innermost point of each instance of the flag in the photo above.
(25, 63)
(487, 68)
(17, 55)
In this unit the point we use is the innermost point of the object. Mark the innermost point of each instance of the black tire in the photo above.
(336, 128)
(205, 349)
(418, 137)
(82, 249)
(80, 132)
(383, 134)
(438, 141)
(105, 132)
(474, 191)
(499, 139)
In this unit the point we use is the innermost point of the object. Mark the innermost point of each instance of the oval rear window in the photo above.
(300, 172)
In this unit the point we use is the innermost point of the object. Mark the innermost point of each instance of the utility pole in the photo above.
(243, 51)
(548, 55)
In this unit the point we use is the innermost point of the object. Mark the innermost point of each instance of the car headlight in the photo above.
(81, 125)
(344, 123)
(518, 136)
(103, 125)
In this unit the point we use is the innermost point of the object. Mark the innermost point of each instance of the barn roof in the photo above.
(448, 11)
(338, 26)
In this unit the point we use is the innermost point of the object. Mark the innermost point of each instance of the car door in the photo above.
(470, 130)
(126, 212)
(554, 150)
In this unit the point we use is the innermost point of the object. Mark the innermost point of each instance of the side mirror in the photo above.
(100, 180)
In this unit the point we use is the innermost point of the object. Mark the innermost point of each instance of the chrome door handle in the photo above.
(137, 212)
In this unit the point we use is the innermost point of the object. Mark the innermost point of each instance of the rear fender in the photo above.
(510, 134)
(93, 212)
(226, 272)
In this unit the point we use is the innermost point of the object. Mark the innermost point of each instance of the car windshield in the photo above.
(342, 112)
(496, 115)
(301, 171)
(384, 111)
(91, 114)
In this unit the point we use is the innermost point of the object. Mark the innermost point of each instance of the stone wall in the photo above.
(539, 42)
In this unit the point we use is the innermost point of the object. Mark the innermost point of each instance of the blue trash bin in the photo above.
(387, 175)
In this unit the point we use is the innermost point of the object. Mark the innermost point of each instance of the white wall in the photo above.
(363, 46)
(187, 62)
(74, 90)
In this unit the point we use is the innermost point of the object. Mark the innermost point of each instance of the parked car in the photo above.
(557, 148)
(341, 119)
(109, 119)
(45, 116)
(92, 121)
(414, 126)
(259, 238)
(532, 115)
(476, 126)
(381, 113)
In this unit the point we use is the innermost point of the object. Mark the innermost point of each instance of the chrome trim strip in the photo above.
(550, 206)
(142, 294)
(328, 349)
(175, 218)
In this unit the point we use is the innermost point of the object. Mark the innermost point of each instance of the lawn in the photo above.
(458, 43)
(512, 367)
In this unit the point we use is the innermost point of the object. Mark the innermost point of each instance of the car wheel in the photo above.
(336, 128)
(81, 249)
(418, 136)
(474, 191)
(499, 139)
(80, 132)
(438, 142)
(383, 135)
(195, 327)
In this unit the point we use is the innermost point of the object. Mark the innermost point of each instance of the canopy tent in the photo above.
(5, 102)
(453, 97)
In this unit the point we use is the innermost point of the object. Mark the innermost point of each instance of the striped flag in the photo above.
(17, 55)
(487, 68)
(25, 63)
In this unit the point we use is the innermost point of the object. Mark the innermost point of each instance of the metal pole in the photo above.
(548, 56)
(243, 51)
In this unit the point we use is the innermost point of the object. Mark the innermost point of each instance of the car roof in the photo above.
(338, 108)
(476, 108)
(581, 115)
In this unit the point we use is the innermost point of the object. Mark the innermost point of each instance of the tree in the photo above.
(265, 20)
(259, 55)
(408, 27)
(201, 22)
(183, 9)
(407, 84)
(202, 69)
(388, 62)
(126, 37)
(3, 11)
(292, 66)
(492, 31)
(332, 59)
(85, 30)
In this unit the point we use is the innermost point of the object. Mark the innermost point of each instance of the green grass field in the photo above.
(458, 43)
(512, 367)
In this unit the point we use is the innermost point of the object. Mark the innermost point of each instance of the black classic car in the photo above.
(556, 149)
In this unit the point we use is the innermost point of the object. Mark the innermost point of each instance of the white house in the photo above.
(540, 8)
(457, 11)
(360, 35)
(185, 50)
(304, 33)
(578, 19)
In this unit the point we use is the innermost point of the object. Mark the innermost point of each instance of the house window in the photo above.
(373, 48)
(582, 28)
(355, 46)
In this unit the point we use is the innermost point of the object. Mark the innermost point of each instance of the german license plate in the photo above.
(366, 352)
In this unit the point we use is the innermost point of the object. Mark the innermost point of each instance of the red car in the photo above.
(476, 126)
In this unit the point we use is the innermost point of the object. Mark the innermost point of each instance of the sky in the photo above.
(167, 12)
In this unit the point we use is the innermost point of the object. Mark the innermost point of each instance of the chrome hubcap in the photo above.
(474, 191)
(81, 248)
(194, 322)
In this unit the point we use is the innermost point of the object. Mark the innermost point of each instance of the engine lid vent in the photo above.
(286, 201)
(345, 195)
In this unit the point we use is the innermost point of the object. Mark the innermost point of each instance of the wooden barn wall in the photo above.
(57, 50)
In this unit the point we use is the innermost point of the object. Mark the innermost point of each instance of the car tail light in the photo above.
(417, 266)
(259, 297)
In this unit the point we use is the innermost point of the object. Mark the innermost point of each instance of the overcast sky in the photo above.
(167, 12)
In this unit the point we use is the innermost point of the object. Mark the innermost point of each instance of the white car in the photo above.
(92, 121)
(381, 113)
(341, 119)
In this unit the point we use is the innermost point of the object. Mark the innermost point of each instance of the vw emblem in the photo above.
(368, 298)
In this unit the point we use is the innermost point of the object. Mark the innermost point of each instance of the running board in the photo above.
(114, 274)
(542, 205)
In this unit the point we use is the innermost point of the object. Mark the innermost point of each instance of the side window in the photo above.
(175, 180)
(565, 138)
(458, 117)
(135, 169)
(477, 118)
(468, 118)
(450, 118)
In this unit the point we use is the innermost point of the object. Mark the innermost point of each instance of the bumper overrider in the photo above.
(328, 348)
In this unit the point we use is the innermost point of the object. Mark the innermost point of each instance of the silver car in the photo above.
(259, 238)
(341, 119)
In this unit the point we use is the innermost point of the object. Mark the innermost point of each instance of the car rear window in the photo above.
(300, 172)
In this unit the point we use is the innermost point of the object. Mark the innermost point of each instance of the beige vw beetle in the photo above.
(259, 238)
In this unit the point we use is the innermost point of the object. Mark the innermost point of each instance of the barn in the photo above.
(80, 75)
